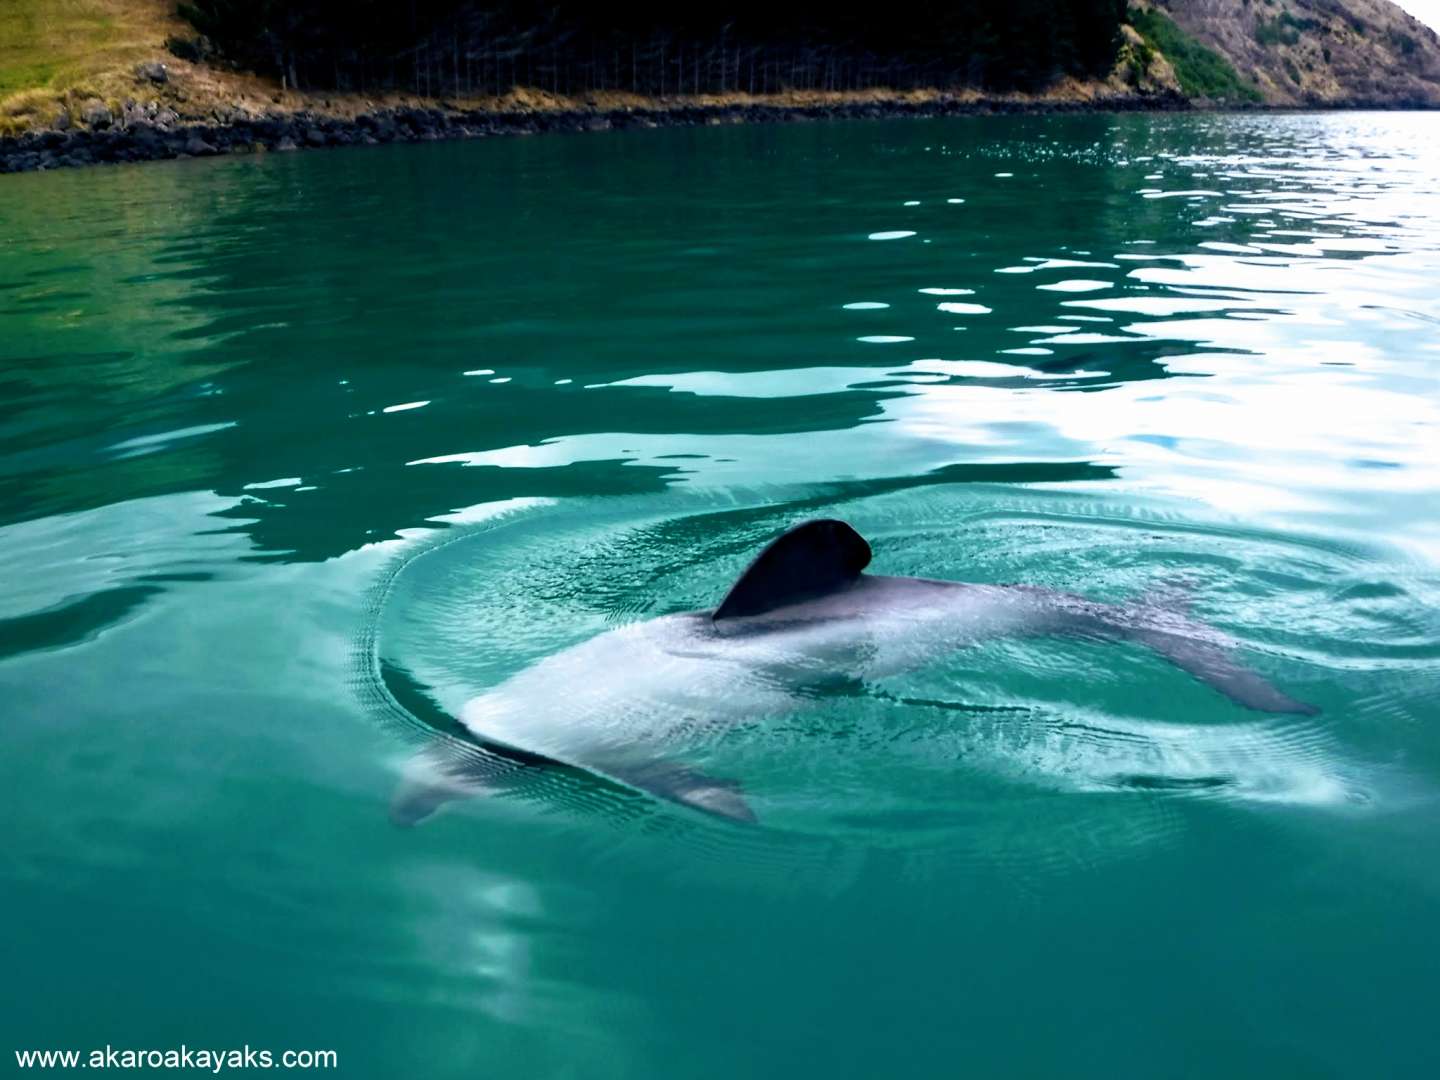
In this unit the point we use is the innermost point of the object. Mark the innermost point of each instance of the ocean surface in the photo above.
(300, 452)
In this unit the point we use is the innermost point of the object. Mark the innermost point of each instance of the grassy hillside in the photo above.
(55, 50)
(53, 44)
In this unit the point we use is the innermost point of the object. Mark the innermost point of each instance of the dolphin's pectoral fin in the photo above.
(1217, 667)
(445, 771)
(426, 784)
(810, 560)
(678, 783)
(449, 770)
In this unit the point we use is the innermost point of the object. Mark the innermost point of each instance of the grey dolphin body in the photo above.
(803, 616)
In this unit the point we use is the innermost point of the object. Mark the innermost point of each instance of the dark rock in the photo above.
(154, 70)
(146, 131)
(270, 128)
(104, 147)
(96, 114)
(62, 120)
(145, 136)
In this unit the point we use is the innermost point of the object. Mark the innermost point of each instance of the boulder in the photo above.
(62, 120)
(96, 114)
(195, 146)
(144, 135)
(153, 70)
(286, 143)
(315, 137)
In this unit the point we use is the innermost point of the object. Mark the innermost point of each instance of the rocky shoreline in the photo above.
(152, 133)
(148, 133)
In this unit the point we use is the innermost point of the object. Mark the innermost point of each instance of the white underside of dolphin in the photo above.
(802, 616)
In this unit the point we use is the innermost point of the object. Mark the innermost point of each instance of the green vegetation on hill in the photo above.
(1285, 29)
(1202, 71)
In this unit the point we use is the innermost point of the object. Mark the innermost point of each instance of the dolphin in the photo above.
(803, 617)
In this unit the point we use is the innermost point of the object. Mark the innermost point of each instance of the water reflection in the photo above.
(272, 327)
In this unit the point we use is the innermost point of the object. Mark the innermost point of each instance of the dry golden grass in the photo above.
(56, 51)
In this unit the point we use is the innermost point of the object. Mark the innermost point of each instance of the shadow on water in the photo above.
(71, 623)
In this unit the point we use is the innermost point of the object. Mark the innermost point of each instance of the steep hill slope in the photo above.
(1320, 52)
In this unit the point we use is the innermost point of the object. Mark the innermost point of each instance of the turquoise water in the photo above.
(302, 451)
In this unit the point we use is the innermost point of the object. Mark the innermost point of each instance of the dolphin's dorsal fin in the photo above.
(810, 560)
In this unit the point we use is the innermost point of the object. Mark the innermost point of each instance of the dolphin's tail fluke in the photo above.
(1162, 622)
(1216, 666)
